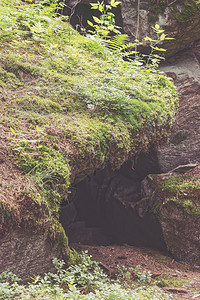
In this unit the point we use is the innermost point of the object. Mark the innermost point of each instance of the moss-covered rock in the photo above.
(175, 201)
(67, 108)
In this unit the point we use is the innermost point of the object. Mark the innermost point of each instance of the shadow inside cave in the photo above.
(107, 207)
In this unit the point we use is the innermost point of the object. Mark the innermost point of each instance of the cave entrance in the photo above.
(107, 207)
(80, 13)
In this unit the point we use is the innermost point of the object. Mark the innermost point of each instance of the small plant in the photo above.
(83, 281)
(129, 274)
(7, 276)
(142, 276)
(88, 272)
(38, 22)
(105, 25)
(105, 30)
(154, 59)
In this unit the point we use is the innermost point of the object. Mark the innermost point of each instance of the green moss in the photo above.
(185, 192)
(190, 208)
(31, 213)
(8, 80)
(156, 9)
(19, 66)
(189, 9)
(172, 184)
(58, 236)
(40, 105)
(171, 282)
(48, 167)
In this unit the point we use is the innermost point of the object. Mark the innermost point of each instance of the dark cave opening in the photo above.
(106, 208)
(80, 13)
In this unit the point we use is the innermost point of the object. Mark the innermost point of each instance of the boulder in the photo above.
(175, 200)
(27, 254)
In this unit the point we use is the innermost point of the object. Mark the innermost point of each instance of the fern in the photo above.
(118, 42)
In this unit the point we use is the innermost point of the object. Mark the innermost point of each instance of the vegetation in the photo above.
(190, 9)
(83, 281)
(105, 31)
(67, 105)
(185, 192)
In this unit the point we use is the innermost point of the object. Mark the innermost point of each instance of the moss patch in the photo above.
(184, 191)
(189, 9)
(183, 10)
(156, 9)
(171, 282)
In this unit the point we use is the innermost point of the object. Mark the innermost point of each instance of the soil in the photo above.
(182, 281)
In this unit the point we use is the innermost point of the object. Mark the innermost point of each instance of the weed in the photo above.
(129, 274)
(104, 28)
(71, 282)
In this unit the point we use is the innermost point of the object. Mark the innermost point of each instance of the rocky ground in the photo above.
(182, 281)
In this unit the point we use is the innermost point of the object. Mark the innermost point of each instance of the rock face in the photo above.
(26, 254)
(161, 211)
(180, 20)
(175, 200)
(184, 141)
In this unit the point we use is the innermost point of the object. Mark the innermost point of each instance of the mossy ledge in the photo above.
(67, 108)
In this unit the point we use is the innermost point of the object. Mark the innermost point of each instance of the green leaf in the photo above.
(162, 37)
(159, 49)
(148, 39)
(101, 7)
(12, 130)
(94, 5)
(38, 128)
(90, 23)
(114, 3)
(97, 20)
